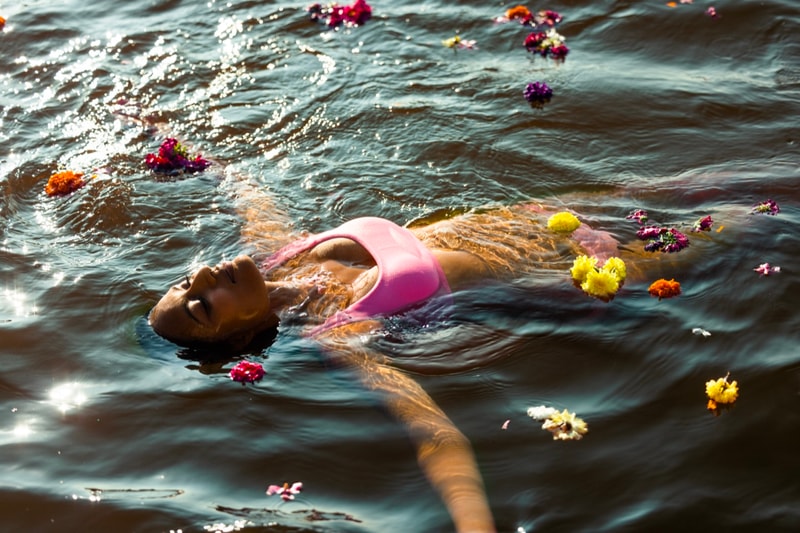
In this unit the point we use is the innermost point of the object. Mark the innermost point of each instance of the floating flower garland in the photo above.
(563, 222)
(562, 424)
(602, 283)
(767, 207)
(549, 43)
(538, 92)
(640, 216)
(286, 492)
(247, 372)
(64, 182)
(173, 158)
(333, 15)
(664, 289)
(764, 269)
(458, 42)
(721, 391)
(662, 239)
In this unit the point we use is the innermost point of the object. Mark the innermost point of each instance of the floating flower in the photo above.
(712, 12)
(285, 491)
(64, 182)
(526, 17)
(547, 43)
(663, 239)
(721, 391)
(505, 424)
(664, 289)
(2, 23)
(602, 283)
(701, 331)
(457, 41)
(640, 216)
(563, 425)
(247, 372)
(334, 15)
(764, 269)
(563, 222)
(521, 13)
(547, 18)
(173, 158)
(538, 92)
(703, 224)
(767, 207)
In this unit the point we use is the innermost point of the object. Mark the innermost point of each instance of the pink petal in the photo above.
(274, 489)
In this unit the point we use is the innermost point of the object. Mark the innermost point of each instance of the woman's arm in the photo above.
(443, 452)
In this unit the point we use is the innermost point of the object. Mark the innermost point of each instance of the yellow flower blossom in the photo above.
(616, 266)
(722, 391)
(563, 222)
(581, 267)
(565, 426)
(601, 284)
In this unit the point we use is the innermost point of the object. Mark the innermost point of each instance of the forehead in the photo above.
(171, 319)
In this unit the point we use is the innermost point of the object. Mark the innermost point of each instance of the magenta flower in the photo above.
(334, 15)
(765, 269)
(247, 372)
(547, 17)
(286, 491)
(767, 207)
(703, 224)
(537, 92)
(711, 12)
(662, 239)
(173, 158)
(640, 216)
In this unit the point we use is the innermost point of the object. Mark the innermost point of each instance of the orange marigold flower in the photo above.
(2, 22)
(518, 12)
(64, 182)
(665, 289)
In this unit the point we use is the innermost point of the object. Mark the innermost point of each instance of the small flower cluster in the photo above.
(334, 15)
(247, 372)
(537, 92)
(286, 492)
(767, 207)
(458, 42)
(662, 239)
(703, 224)
(640, 216)
(525, 17)
(562, 424)
(563, 222)
(173, 158)
(64, 182)
(2, 23)
(664, 289)
(602, 283)
(721, 391)
(550, 43)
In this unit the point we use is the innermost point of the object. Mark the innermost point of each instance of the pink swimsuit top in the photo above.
(408, 273)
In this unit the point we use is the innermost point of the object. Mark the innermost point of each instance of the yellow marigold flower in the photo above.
(563, 222)
(721, 390)
(565, 426)
(601, 284)
(581, 266)
(616, 266)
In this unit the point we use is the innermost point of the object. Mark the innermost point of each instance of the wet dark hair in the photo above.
(216, 352)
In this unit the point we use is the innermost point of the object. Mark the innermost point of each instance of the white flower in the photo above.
(541, 412)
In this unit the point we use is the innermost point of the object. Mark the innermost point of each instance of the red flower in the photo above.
(64, 182)
(247, 372)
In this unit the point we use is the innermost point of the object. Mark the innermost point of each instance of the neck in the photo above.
(283, 295)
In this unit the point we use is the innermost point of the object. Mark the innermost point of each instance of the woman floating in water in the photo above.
(342, 282)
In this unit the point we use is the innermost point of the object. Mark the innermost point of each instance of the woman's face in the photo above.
(214, 304)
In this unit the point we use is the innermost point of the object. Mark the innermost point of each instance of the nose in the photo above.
(203, 280)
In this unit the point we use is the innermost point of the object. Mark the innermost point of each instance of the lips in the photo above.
(229, 270)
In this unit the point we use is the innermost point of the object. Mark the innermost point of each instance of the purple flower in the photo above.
(649, 232)
(767, 207)
(550, 18)
(334, 15)
(537, 92)
(664, 239)
(703, 224)
(640, 216)
(247, 372)
(285, 491)
(172, 158)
